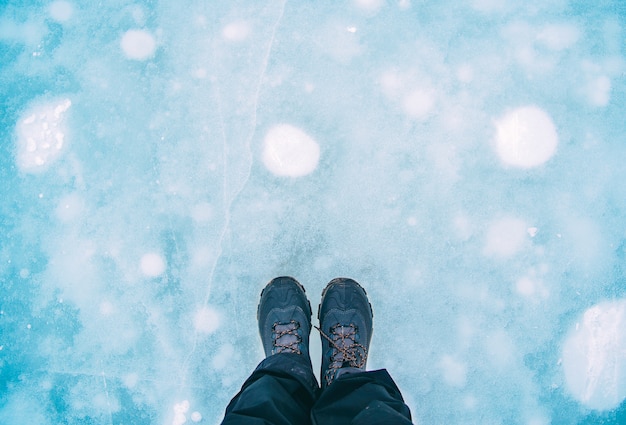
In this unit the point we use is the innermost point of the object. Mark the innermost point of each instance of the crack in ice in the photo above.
(229, 198)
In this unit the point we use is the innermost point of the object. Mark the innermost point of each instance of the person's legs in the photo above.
(349, 393)
(280, 391)
(364, 398)
(283, 387)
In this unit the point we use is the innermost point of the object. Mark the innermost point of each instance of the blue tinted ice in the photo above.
(463, 160)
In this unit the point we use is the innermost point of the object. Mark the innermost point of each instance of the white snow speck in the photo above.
(138, 44)
(290, 152)
(61, 11)
(593, 357)
(41, 135)
(206, 320)
(152, 264)
(196, 416)
(526, 137)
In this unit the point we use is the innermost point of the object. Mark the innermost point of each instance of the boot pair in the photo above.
(345, 317)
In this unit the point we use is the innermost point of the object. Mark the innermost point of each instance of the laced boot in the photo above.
(345, 317)
(284, 316)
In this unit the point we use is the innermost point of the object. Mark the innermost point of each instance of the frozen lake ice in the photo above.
(463, 160)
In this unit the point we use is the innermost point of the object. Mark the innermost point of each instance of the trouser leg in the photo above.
(280, 391)
(364, 398)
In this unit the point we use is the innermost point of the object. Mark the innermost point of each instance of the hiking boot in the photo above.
(345, 317)
(284, 315)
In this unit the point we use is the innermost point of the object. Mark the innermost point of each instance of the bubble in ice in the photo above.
(505, 237)
(152, 264)
(290, 152)
(236, 31)
(138, 44)
(593, 356)
(206, 320)
(41, 135)
(526, 137)
(179, 412)
(61, 11)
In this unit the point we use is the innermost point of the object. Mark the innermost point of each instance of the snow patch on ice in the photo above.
(594, 356)
(41, 135)
(138, 44)
(152, 264)
(290, 152)
(526, 137)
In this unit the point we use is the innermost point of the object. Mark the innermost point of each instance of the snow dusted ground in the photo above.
(160, 161)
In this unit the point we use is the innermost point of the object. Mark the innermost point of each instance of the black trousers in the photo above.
(283, 390)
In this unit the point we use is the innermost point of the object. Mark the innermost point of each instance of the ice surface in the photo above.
(463, 160)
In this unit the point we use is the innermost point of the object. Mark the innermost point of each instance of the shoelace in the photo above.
(282, 342)
(346, 351)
